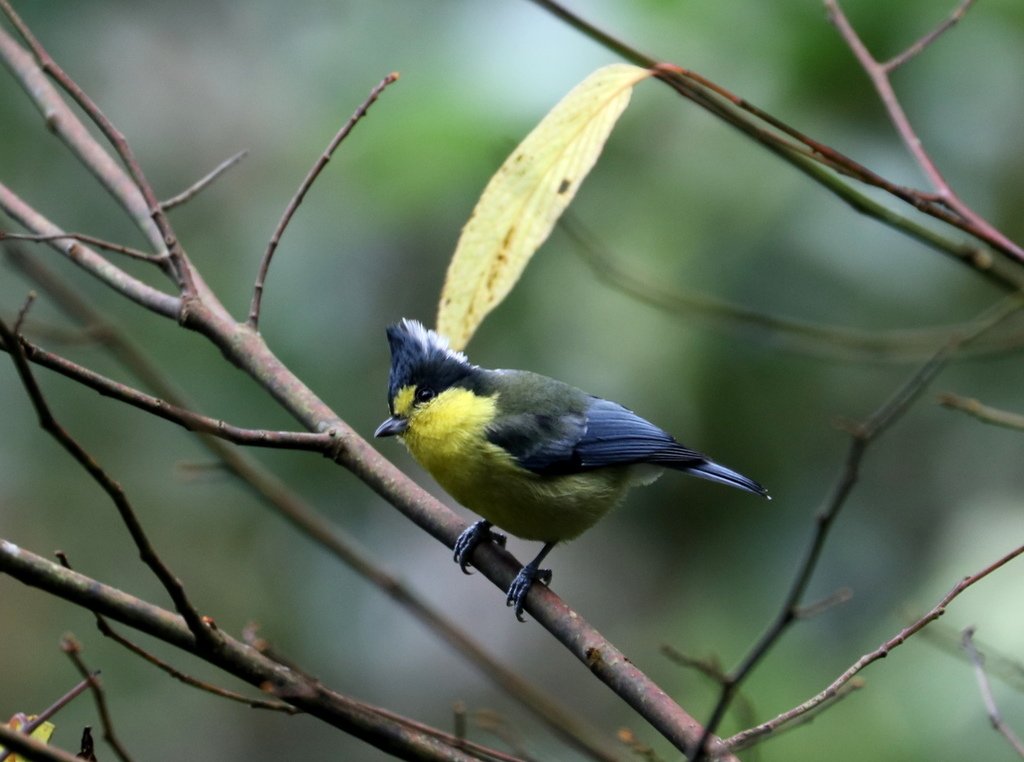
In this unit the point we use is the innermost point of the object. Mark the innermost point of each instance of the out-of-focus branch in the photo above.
(801, 151)
(16, 742)
(73, 649)
(27, 727)
(168, 239)
(862, 436)
(202, 183)
(300, 194)
(206, 636)
(748, 737)
(985, 687)
(983, 412)
(878, 73)
(400, 738)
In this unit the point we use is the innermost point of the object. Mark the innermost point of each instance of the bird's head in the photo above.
(423, 367)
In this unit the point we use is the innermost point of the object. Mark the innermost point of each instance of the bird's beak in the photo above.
(392, 426)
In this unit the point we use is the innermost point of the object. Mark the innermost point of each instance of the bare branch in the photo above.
(919, 45)
(879, 76)
(862, 436)
(46, 714)
(15, 742)
(205, 635)
(983, 412)
(748, 737)
(382, 729)
(99, 243)
(181, 266)
(985, 687)
(300, 194)
(202, 183)
(73, 649)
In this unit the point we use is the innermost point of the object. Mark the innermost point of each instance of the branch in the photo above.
(862, 436)
(205, 635)
(807, 155)
(169, 241)
(879, 76)
(73, 649)
(244, 662)
(28, 727)
(300, 194)
(748, 737)
(15, 742)
(985, 687)
(983, 412)
(201, 184)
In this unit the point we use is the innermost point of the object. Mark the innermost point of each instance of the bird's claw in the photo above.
(476, 533)
(521, 586)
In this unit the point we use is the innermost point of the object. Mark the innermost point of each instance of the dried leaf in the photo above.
(526, 196)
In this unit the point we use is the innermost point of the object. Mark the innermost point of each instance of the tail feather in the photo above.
(716, 472)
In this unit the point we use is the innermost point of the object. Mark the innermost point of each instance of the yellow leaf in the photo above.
(526, 196)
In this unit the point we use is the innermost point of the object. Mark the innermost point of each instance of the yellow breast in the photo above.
(448, 438)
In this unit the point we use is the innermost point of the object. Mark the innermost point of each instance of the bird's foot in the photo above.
(478, 532)
(521, 586)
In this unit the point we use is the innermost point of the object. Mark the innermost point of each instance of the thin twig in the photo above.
(747, 737)
(983, 412)
(862, 436)
(201, 184)
(985, 687)
(47, 713)
(109, 632)
(789, 333)
(285, 440)
(919, 45)
(179, 261)
(99, 243)
(878, 73)
(73, 649)
(300, 194)
(205, 635)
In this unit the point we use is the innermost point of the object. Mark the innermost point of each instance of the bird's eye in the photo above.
(424, 394)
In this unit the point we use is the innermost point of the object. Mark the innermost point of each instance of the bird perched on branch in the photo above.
(534, 456)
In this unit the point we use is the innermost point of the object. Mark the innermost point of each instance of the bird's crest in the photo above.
(419, 354)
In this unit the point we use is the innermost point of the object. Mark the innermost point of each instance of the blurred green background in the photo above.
(678, 200)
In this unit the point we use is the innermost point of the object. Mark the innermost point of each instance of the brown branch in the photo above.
(300, 194)
(399, 737)
(862, 436)
(207, 636)
(985, 687)
(809, 157)
(16, 742)
(919, 45)
(202, 183)
(73, 649)
(179, 261)
(46, 714)
(878, 73)
(109, 632)
(99, 243)
(983, 412)
(746, 738)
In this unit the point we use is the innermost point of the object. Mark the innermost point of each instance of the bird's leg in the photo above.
(476, 533)
(524, 580)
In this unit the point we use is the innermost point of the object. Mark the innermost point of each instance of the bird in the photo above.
(533, 456)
